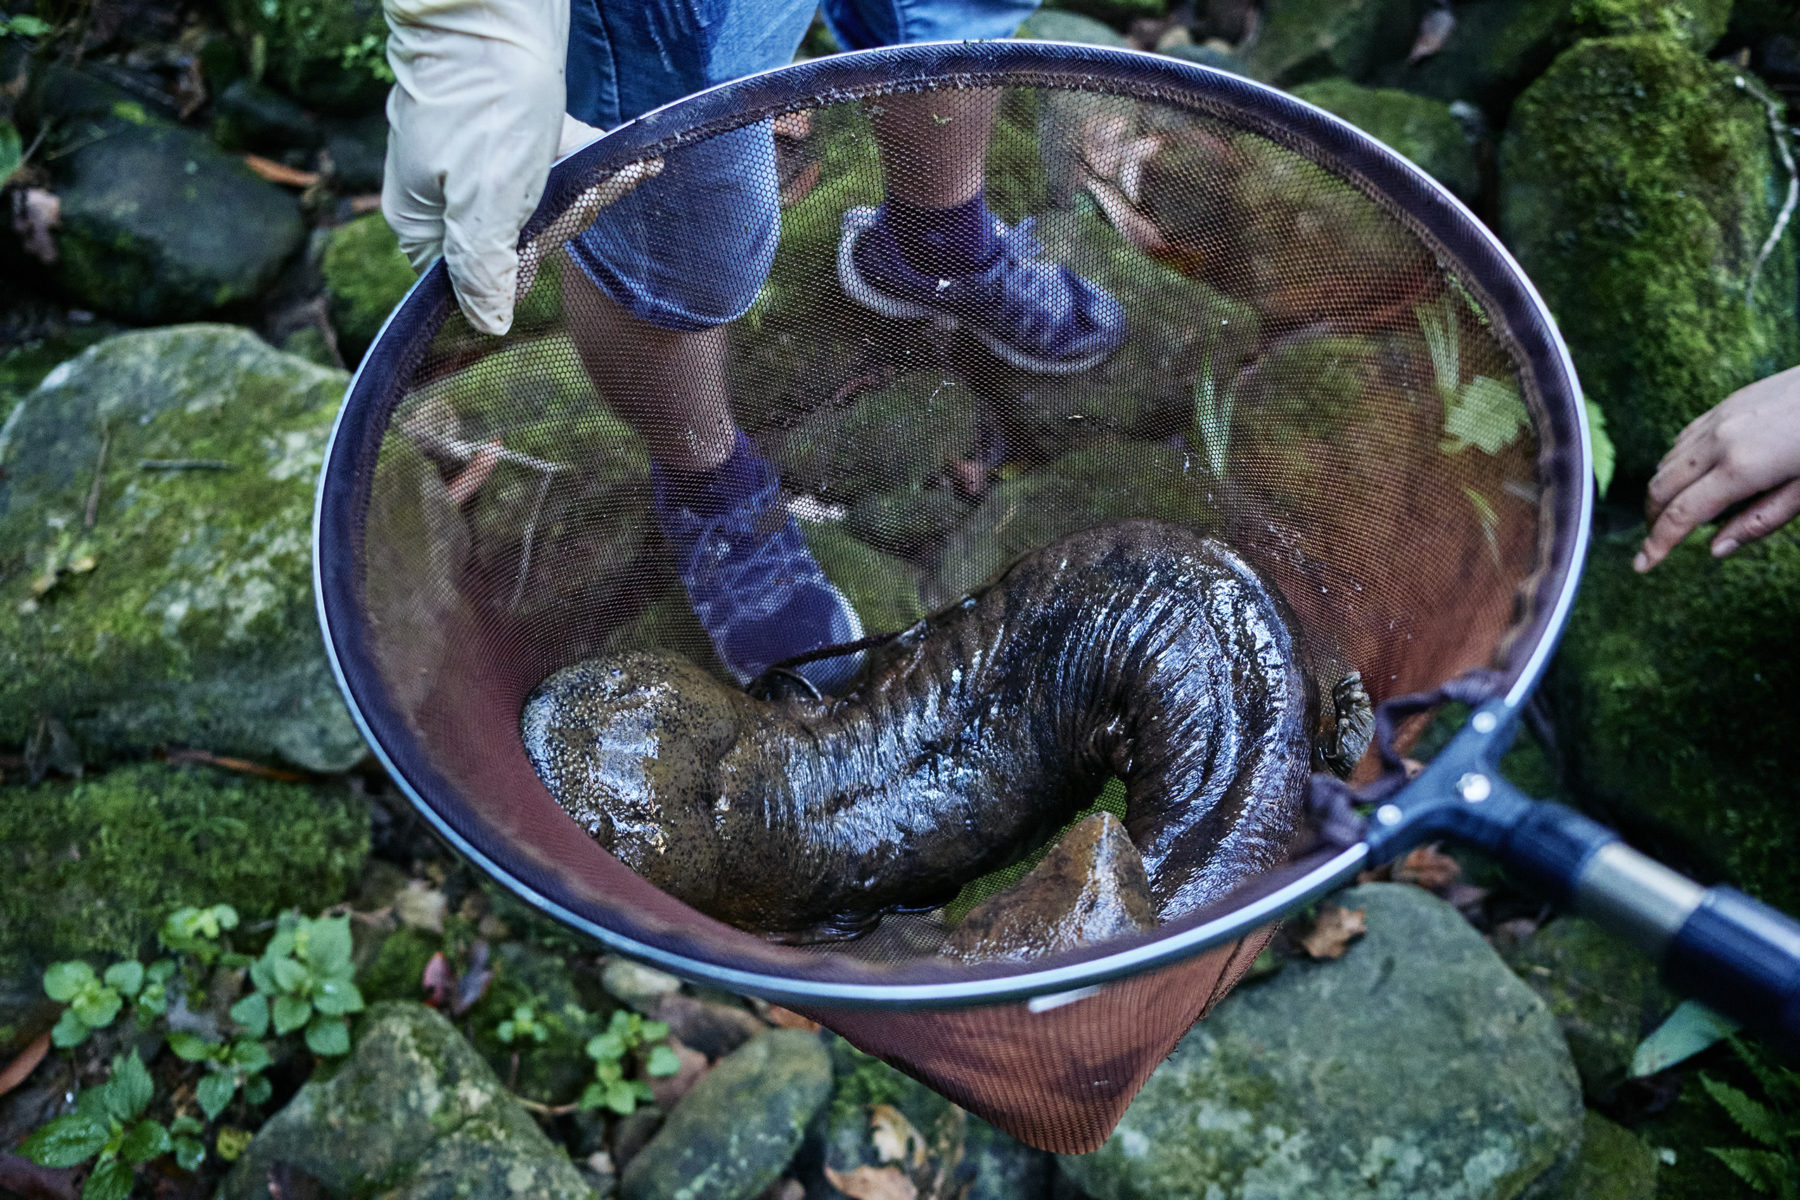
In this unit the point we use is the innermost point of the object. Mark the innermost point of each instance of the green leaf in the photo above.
(1757, 1120)
(192, 1047)
(291, 1012)
(111, 1180)
(146, 1140)
(1486, 413)
(1763, 1170)
(328, 946)
(1606, 456)
(127, 976)
(654, 1031)
(248, 1054)
(70, 1030)
(26, 26)
(337, 997)
(290, 976)
(153, 1001)
(129, 1090)
(251, 1014)
(257, 1089)
(232, 1142)
(1691, 1028)
(224, 916)
(607, 1046)
(64, 981)
(328, 1037)
(66, 1141)
(214, 1093)
(97, 1006)
(621, 1098)
(663, 1061)
(186, 1123)
(189, 1153)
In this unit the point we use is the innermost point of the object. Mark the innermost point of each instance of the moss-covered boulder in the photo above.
(157, 222)
(1602, 992)
(1313, 39)
(1415, 1065)
(893, 436)
(413, 1112)
(884, 590)
(1422, 129)
(252, 116)
(1615, 1164)
(734, 1133)
(92, 867)
(1674, 693)
(1059, 25)
(155, 521)
(1639, 187)
(366, 275)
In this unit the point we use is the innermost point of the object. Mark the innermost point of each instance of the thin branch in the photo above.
(1779, 131)
(93, 496)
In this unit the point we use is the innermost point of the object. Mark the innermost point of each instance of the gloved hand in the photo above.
(475, 119)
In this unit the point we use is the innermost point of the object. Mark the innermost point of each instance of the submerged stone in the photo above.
(1639, 187)
(1422, 129)
(157, 510)
(413, 1112)
(1415, 1065)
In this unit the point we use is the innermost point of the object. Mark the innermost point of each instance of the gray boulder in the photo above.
(1416, 1065)
(1311, 39)
(732, 1136)
(182, 611)
(414, 1112)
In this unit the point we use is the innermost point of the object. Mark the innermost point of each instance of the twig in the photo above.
(548, 1110)
(93, 497)
(530, 533)
(241, 765)
(1778, 130)
(281, 173)
(185, 464)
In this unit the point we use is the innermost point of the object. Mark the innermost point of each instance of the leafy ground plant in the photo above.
(625, 1034)
(108, 1126)
(1772, 1166)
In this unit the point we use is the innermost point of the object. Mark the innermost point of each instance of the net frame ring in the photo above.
(1564, 463)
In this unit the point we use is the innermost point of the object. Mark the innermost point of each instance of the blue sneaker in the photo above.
(755, 587)
(1037, 315)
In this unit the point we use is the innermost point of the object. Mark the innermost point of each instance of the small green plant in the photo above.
(523, 1026)
(625, 1033)
(95, 1001)
(368, 54)
(196, 931)
(303, 980)
(24, 25)
(108, 1126)
(1772, 1166)
(1212, 417)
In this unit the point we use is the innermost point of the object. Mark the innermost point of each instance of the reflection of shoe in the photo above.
(755, 587)
(1037, 315)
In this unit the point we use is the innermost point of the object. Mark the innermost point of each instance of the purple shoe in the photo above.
(1037, 315)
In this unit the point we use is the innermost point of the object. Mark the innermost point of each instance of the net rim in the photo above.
(847, 76)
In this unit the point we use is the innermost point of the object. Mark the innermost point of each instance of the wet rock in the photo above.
(216, 235)
(1208, 56)
(1416, 1065)
(907, 520)
(894, 436)
(1058, 25)
(884, 590)
(713, 1029)
(1424, 130)
(1638, 186)
(366, 275)
(250, 116)
(1089, 888)
(94, 866)
(1615, 1164)
(356, 150)
(1673, 701)
(997, 1166)
(882, 1120)
(413, 1112)
(183, 613)
(734, 1133)
(635, 985)
(1603, 993)
(1311, 39)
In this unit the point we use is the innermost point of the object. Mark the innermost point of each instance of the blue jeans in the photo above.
(690, 248)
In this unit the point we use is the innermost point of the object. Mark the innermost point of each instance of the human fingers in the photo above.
(1678, 471)
(1767, 514)
(1700, 502)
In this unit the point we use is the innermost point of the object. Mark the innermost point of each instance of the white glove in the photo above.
(475, 119)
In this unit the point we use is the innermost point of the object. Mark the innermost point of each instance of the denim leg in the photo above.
(864, 24)
(690, 248)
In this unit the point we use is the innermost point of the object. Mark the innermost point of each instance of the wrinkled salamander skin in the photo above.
(1136, 648)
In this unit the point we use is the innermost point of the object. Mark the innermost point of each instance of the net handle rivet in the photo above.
(1485, 722)
(1474, 787)
(1388, 814)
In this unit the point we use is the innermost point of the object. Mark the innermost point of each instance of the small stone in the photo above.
(734, 1134)
(667, 1090)
(1089, 888)
(357, 151)
(249, 116)
(635, 985)
(713, 1029)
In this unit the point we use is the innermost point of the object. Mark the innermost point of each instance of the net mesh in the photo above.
(1312, 373)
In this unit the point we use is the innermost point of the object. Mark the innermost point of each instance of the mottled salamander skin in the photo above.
(1135, 648)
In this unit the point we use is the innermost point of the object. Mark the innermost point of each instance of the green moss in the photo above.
(1638, 186)
(1699, 23)
(366, 275)
(1422, 129)
(884, 590)
(863, 1081)
(398, 967)
(1675, 693)
(552, 1071)
(898, 435)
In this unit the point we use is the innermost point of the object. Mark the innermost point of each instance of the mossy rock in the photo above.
(1312, 39)
(908, 520)
(896, 436)
(1615, 1164)
(1674, 695)
(183, 613)
(865, 1096)
(1061, 25)
(1421, 129)
(883, 590)
(366, 275)
(1415, 1065)
(414, 1112)
(1106, 480)
(1638, 186)
(94, 866)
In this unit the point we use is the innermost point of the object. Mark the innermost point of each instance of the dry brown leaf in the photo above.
(421, 907)
(281, 173)
(873, 1183)
(14, 1073)
(893, 1136)
(1434, 30)
(1334, 930)
(1429, 868)
(787, 1018)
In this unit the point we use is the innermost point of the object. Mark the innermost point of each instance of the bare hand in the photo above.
(1746, 447)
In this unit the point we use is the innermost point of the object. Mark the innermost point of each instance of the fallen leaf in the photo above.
(438, 981)
(281, 173)
(873, 1183)
(1333, 931)
(787, 1018)
(1434, 30)
(1429, 868)
(893, 1136)
(474, 982)
(25, 1063)
(421, 906)
(35, 213)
